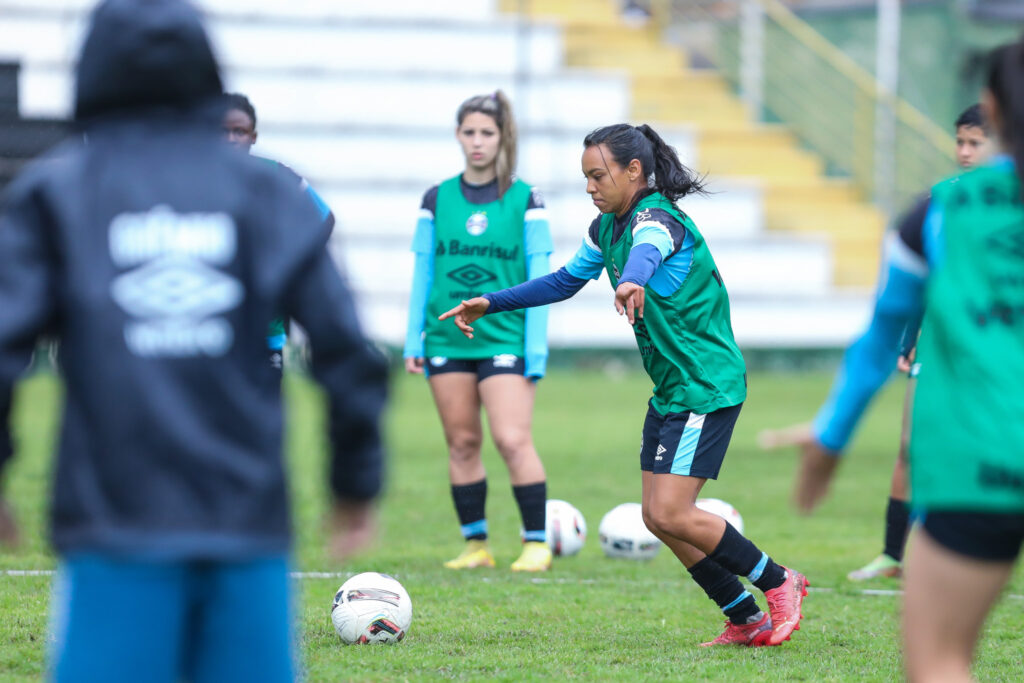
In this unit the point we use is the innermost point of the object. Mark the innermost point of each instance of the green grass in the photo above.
(591, 618)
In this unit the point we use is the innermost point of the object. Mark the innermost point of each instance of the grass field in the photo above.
(591, 618)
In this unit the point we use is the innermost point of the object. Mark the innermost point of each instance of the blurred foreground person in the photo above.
(159, 257)
(961, 262)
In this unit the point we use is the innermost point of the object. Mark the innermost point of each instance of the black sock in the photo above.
(897, 518)
(533, 500)
(725, 589)
(470, 500)
(741, 557)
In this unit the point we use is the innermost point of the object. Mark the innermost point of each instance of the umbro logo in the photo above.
(661, 449)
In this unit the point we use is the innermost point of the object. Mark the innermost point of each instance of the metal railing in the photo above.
(786, 71)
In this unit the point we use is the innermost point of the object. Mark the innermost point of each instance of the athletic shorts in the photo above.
(502, 364)
(688, 444)
(127, 620)
(991, 536)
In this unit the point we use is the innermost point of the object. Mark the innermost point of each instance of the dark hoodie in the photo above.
(158, 255)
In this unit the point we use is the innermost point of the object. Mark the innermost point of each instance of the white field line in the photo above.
(559, 580)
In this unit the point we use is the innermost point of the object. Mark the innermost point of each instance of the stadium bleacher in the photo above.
(360, 98)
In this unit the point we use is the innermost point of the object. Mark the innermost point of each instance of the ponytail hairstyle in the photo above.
(1006, 83)
(499, 108)
(658, 161)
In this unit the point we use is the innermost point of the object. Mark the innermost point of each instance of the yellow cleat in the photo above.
(536, 557)
(475, 554)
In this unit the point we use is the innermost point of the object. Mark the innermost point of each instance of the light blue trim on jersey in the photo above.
(758, 569)
(587, 263)
(276, 342)
(536, 536)
(931, 235)
(687, 448)
(474, 528)
(672, 273)
(870, 360)
(655, 234)
(422, 279)
(321, 205)
(743, 596)
(536, 332)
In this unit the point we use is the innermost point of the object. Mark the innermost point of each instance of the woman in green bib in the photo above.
(667, 285)
(961, 261)
(481, 229)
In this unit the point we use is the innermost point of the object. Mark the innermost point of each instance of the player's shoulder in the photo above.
(429, 201)
(594, 231)
(655, 216)
(536, 200)
(281, 168)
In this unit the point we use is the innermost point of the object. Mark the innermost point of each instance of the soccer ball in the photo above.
(624, 534)
(566, 528)
(723, 510)
(371, 608)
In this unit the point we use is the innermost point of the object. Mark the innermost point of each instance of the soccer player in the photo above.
(158, 258)
(667, 285)
(961, 262)
(972, 147)
(240, 131)
(484, 227)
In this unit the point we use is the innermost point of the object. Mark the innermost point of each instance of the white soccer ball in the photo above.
(371, 608)
(723, 510)
(566, 528)
(624, 534)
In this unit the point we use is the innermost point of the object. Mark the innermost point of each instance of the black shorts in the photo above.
(992, 536)
(688, 444)
(502, 364)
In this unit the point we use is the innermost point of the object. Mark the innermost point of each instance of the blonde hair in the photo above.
(498, 107)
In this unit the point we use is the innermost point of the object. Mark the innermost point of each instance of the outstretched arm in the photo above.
(866, 366)
(541, 291)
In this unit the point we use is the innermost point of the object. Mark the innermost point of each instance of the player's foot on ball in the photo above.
(750, 635)
(536, 557)
(784, 604)
(475, 554)
(883, 565)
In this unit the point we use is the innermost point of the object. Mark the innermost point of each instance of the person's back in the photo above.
(158, 256)
(972, 335)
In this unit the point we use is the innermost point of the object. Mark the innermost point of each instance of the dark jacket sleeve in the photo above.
(352, 372)
(26, 292)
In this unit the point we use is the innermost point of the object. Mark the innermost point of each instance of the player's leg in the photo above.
(746, 624)
(956, 567)
(243, 625)
(692, 447)
(508, 398)
(897, 512)
(118, 620)
(454, 386)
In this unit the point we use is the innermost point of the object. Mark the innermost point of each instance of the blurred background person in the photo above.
(240, 131)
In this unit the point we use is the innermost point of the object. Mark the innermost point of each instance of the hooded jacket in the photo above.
(158, 255)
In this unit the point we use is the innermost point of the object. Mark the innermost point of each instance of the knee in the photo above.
(464, 446)
(671, 520)
(513, 444)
